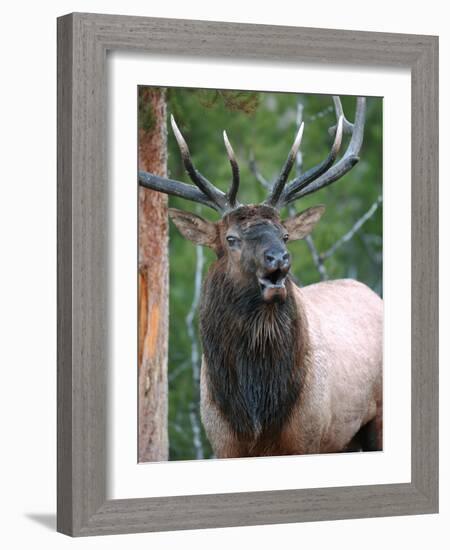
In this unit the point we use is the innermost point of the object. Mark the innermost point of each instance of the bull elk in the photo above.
(285, 370)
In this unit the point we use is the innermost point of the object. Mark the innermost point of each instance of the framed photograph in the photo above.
(270, 354)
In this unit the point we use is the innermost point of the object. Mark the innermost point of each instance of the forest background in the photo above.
(347, 243)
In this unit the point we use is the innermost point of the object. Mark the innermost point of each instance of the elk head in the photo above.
(250, 240)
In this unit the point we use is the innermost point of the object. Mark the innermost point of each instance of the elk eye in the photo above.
(232, 240)
(285, 237)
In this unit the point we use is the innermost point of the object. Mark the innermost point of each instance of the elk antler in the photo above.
(205, 193)
(278, 186)
(326, 172)
(232, 193)
(281, 193)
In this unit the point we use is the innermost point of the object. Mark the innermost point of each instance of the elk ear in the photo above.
(194, 228)
(301, 225)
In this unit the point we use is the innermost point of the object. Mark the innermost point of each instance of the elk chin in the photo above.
(273, 287)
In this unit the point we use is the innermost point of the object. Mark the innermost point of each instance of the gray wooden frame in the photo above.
(83, 41)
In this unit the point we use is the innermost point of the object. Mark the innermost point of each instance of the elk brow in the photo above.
(255, 230)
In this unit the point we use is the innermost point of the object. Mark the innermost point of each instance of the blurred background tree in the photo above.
(261, 127)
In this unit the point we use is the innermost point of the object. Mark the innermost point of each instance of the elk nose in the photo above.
(276, 259)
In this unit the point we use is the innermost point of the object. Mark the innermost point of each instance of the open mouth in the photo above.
(273, 286)
(275, 279)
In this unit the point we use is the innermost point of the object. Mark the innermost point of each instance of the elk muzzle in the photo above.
(272, 273)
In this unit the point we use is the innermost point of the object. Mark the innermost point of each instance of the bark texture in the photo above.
(153, 282)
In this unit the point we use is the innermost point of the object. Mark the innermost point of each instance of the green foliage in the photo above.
(245, 102)
(264, 125)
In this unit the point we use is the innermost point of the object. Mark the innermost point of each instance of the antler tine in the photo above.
(313, 173)
(278, 186)
(232, 193)
(344, 165)
(176, 188)
(215, 195)
(348, 126)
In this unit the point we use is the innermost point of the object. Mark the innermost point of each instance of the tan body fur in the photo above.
(342, 390)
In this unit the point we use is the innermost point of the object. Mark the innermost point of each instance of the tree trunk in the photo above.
(153, 281)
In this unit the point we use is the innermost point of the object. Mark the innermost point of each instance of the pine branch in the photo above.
(317, 258)
(356, 227)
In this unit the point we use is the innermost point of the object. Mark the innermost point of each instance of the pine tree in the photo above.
(153, 281)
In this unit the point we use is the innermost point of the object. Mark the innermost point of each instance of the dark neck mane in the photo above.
(253, 353)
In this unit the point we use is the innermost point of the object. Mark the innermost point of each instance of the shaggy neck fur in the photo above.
(253, 354)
